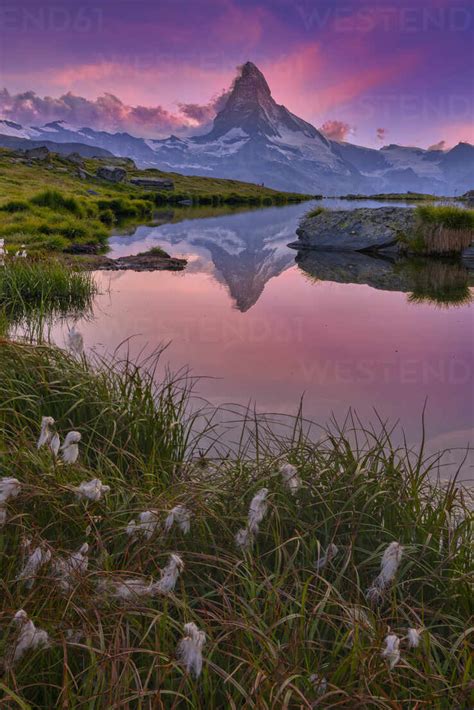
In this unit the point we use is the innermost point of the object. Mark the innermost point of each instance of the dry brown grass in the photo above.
(439, 239)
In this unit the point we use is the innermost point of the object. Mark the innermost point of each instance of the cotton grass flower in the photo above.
(391, 651)
(46, 432)
(29, 637)
(69, 570)
(55, 444)
(40, 556)
(290, 477)
(75, 342)
(129, 589)
(319, 683)
(257, 511)
(388, 568)
(181, 516)
(329, 555)
(70, 448)
(91, 490)
(414, 638)
(169, 575)
(146, 526)
(189, 649)
(133, 588)
(9, 488)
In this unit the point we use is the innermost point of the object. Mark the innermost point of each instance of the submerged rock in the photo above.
(363, 229)
(149, 261)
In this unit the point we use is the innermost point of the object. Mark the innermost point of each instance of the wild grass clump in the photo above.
(442, 229)
(56, 200)
(282, 623)
(446, 216)
(15, 206)
(29, 287)
(123, 208)
(315, 212)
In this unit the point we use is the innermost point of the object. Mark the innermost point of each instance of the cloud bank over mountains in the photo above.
(108, 113)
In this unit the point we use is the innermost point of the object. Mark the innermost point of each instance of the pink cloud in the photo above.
(438, 146)
(107, 112)
(381, 134)
(336, 130)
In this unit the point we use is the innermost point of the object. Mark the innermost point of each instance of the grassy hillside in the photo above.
(352, 546)
(48, 207)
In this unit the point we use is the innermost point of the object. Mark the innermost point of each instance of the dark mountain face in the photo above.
(252, 108)
(255, 139)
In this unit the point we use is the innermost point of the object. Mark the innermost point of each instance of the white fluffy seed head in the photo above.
(146, 526)
(244, 539)
(55, 444)
(414, 638)
(75, 341)
(91, 490)
(68, 570)
(169, 575)
(189, 650)
(46, 431)
(289, 473)
(29, 637)
(9, 488)
(391, 651)
(390, 562)
(128, 589)
(39, 557)
(257, 510)
(181, 516)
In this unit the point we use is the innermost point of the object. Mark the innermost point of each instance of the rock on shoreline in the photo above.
(362, 229)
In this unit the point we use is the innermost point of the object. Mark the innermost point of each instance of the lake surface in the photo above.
(263, 329)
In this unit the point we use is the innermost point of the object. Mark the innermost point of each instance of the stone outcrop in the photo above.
(363, 229)
(75, 159)
(40, 153)
(153, 183)
(112, 173)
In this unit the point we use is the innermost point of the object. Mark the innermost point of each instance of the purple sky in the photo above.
(373, 73)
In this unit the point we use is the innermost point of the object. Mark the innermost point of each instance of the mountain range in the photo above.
(257, 140)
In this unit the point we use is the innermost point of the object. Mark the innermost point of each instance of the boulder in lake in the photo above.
(363, 229)
(112, 173)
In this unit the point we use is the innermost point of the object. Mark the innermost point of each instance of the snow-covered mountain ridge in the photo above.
(255, 139)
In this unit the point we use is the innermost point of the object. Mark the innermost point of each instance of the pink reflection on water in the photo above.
(338, 345)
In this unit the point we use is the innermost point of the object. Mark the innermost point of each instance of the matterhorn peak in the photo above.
(251, 78)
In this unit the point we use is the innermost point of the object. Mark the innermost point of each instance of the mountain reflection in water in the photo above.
(260, 327)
